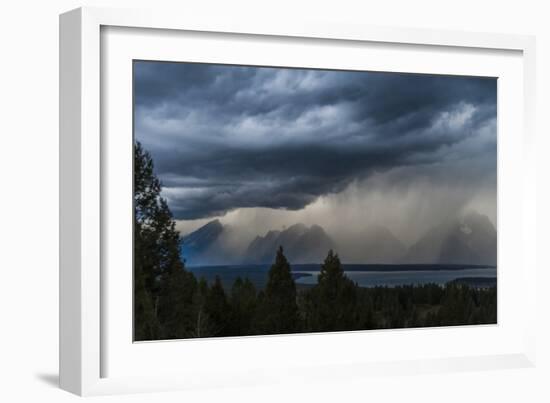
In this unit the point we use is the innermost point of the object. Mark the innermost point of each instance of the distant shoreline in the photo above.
(367, 275)
(377, 267)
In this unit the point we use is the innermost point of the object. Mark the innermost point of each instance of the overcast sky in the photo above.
(267, 147)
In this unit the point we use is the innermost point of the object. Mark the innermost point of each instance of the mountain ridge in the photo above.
(466, 239)
(470, 238)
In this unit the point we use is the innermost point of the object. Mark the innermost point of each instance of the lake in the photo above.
(368, 275)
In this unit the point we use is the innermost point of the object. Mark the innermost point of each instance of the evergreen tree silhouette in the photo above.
(333, 301)
(278, 312)
(163, 290)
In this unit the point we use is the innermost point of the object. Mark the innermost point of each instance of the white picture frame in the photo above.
(93, 348)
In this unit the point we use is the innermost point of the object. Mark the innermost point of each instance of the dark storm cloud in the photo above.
(226, 137)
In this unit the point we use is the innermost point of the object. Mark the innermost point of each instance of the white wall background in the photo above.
(29, 201)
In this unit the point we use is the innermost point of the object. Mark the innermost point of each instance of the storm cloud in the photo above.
(230, 137)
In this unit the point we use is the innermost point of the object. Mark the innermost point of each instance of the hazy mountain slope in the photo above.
(301, 244)
(196, 243)
(211, 244)
(373, 245)
(470, 239)
(311, 247)
(261, 248)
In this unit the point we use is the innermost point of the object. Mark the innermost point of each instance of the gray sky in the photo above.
(262, 148)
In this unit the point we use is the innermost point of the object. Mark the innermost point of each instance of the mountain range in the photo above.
(466, 239)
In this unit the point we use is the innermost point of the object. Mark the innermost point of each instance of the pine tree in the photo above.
(333, 300)
(163, 290)
(146, 191)
(278, 312)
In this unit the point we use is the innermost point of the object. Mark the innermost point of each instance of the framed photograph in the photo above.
(238, 197)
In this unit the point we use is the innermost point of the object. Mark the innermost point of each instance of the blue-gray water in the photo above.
(392, 279)
(363, 275)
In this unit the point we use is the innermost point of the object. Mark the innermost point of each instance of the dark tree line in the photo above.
(171, 303)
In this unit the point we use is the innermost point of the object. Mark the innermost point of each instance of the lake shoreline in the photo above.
(375, 267)
(367, 276)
